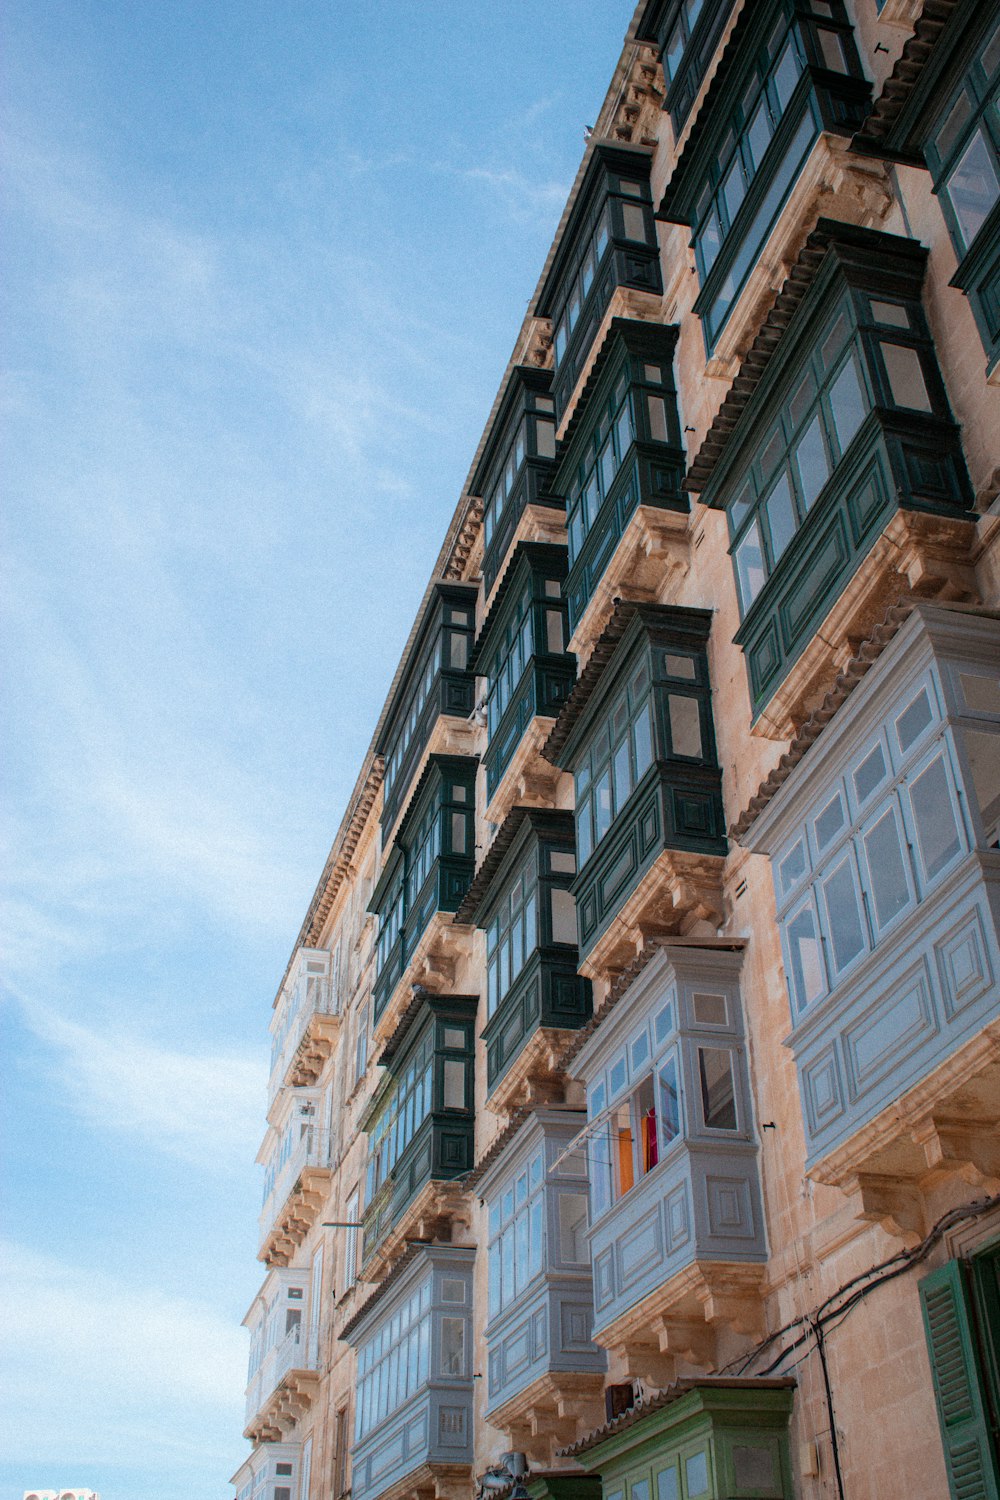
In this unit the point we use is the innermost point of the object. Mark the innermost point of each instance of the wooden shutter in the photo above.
(958, 1390)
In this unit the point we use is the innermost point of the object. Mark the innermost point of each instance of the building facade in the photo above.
(634, 1112)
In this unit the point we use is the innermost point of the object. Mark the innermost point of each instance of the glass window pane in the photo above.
(452, 1346)
(696, 1475)
(981, 693)
(657, 408)
(937, 835)
(843, 916)
(602, 806)
(759, 134)
(831, 46)
(786, 75)
(830, 820)
(584, 835)
(906, 379)
(642, 741)
(670, 1103)
(563, 917)
(983, 751)
(634, 220)
(683, 667)
(887, 869)
(890, 313)
(734, 189)
(913, 721)
(792, 867)
(718, 1089)
(805, 959)
(666, 1485)
(781, 518)
(459, 823)
(848, 403)
(573, 1249)
(869, 774)
(750, 567)
(458, 650)
(685, 725)
(623, 774)
(561, 862)
(454, 1084)
(952, 128)
(813, 465)
(973, 187)
(545, 438)
(554, 643)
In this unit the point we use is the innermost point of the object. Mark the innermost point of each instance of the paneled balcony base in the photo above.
(284, 1407)
(679, 895)
(947, 1126)
(313, 1051)
(529, 780)
(536, 523)
(534, 1078)
(652, 556)
(438, 1212)
(680, 1322)
(555, 1410)
(432, 1481)
(299, 1213)
(433, 966)
(918, 556)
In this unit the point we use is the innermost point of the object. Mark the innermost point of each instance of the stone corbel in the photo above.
(688, 1339)
(969, 1149)
(890, 1201)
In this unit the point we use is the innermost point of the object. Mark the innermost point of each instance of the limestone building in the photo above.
(635, 1081)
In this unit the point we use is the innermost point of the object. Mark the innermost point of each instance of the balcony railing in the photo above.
(309, 1151)
(293, 1353)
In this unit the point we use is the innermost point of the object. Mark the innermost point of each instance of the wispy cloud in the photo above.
(98, 1368)
(204, 1109)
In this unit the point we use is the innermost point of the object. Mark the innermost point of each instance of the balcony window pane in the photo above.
(848, 403)
(973, 187)
(805, 958)
(954, 125)
(887, 869)
(666, 1485)
(913, 721)
(843, 916)
(792, 867)
(870, 774)
(564, 917)
(750, 567)
(554, 643)
(635, 222)
(734, 189)
(623, 774)
(624, 1149)
(981, 694)
(657, 409)
(983, 751)
(545, 438)
(452, 1346)
(718, 1089)
(813, 464)
(642, 741)
(640, 1489)
(599, 1160)
(937, 835)
(906, 379)
(683, 667)
(562, 862)
(459, 823)
(891, 314)
(602, 805)
(830, 821)
(781, 518)
(584, 836)
(685, 726)
(759, 134)
(786, 76)
(458, 650)
(832, 48)
(670, 1103)
(454, 1084)
(573, 1229)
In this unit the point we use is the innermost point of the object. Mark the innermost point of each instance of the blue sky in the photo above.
(265, 265)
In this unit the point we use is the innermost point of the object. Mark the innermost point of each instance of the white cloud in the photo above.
(204, 1109)
(98, 1369)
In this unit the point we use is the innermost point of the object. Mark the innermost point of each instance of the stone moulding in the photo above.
(626, 302)
(535, 1076)
(650, 559)
(284, 1407)
(439, 1210)
(680, 1322)
(432, 966)
(297, 1215)
(552, 1412)
(536, 523)
(679, 894)
(449, 736)
(432, 1481)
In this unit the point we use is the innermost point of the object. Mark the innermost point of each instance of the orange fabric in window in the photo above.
(626, 1170)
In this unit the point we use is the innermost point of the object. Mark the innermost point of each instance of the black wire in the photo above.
(834, 1441)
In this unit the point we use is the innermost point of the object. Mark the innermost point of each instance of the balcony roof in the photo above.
(543, 820)
(674, 1393)
(885, 131)
(525, 557)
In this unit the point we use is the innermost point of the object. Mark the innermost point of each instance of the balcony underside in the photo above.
(534, 1077)
(438, 1209)
(681, 1321)
(679, 895)
(947, 1126)
(432, 1481)
(449, 735)
(529, 780)
(432, 966)
(536, 523)
(555, 1410)
(626, 302)
(917, 556)
(297, 1216)
(650, 559)
(284, 1407)
(313, 1051)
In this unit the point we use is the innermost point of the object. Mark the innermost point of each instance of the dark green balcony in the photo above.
(436, 682)
(638, 736)
(609, 241)
(429, 867)
(621, 450)
(521, 651)
(522, 899)
(420, 1124)
(517, 459)
(686, 33)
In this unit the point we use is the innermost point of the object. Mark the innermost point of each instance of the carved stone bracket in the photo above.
(432, 966)
(441, 1213)
(530, 780)
(680, 895)
(534, 1078)
(432, 1481)
(652, 556)
(552, 1412)
(297, 1215)
(284, 1407)
(313, 1050)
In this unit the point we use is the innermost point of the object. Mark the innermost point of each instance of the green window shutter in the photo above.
(965, 1429)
